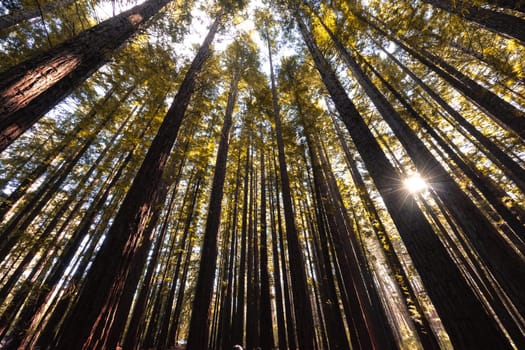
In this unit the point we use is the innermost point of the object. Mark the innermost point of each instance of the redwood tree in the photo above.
(31, 88)
(101, 293)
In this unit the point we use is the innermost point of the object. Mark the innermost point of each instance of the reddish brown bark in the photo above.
(453, 297)
(91, 317)
(33, 87)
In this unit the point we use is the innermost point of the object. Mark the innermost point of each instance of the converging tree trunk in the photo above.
(502, 112)
(92, 315)
(454, 299)
(200, 315)
(498, 22)
(302, 307)
(488, 242)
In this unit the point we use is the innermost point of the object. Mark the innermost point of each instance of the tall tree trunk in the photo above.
(167, 332)
(239, 314)
(225, 329)
(21, 221)
(65, 145)
(493, 249)
(291, 327)
(502, 112)
(31, 88)
(511, 168)
(16, 17)
(518, 5)
(493, 194)
(335, 325)
(251, 273)
(103, 286)
(423, 328)
(266, 328)
(453, 298)
(303, 309)
(498, 22)
(281, 323)
(200, 315)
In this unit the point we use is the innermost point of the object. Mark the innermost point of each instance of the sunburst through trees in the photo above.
(271, 175)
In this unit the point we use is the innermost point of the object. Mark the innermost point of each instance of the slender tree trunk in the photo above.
(281, 323)
(57, 272)
(291, 327)
(266, 328)
(251, 274)
(32, 88)
(303, 309)
(511, 168)
(65, 145)
(238, 316)
(21, 221)
(335, 325)
(167, 332)
(506, 265)
(16, 17)
(177, 311)
(105, 280)
(493, 194)
(40, 198)
(502, 112)
(453, 298)
(423, 328)
(226, 330)
(200, 316)
(497, 22)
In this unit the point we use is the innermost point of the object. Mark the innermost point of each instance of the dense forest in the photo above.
(276, 174)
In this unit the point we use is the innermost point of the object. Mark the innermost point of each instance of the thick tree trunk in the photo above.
(31, 88)
(452, 296)
(16, 17)
(132, 337)
(103, 287)
(498, 22)
(200, 315)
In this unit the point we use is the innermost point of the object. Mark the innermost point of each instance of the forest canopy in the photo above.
(274, 174)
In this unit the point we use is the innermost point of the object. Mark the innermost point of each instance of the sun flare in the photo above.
(415, 183)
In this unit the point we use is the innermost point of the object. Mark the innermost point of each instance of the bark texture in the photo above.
(455, 301)
(90, 320)
(33, 87)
